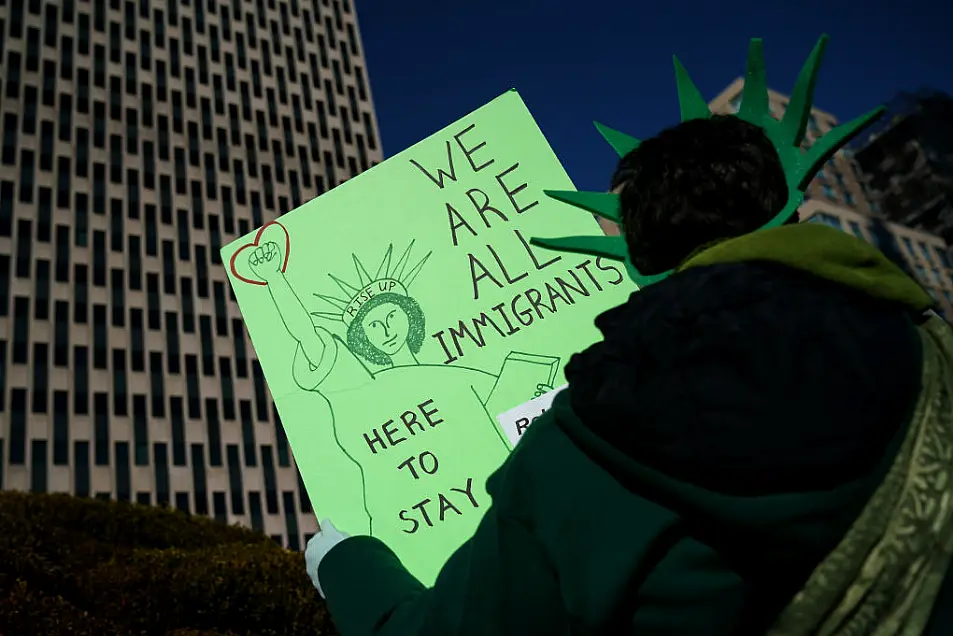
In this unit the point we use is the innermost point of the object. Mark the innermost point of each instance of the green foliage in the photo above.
(81, 566)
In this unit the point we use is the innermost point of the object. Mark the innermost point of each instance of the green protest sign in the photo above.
(396, 316)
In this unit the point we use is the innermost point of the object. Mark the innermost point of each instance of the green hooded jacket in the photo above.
(584, 537)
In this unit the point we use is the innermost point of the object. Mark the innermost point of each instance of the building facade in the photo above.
(908, 160)
(138, 138)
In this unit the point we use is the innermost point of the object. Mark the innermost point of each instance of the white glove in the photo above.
(319, 546)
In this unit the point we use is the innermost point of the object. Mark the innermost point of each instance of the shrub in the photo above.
(82, 566)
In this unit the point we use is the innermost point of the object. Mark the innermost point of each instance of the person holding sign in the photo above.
(761, 444)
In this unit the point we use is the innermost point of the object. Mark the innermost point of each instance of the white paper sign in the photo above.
(515, 421)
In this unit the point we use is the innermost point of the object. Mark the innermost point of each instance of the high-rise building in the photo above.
(908, 158)
(138, 138)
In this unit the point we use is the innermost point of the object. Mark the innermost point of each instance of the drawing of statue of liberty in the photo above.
(375, 378)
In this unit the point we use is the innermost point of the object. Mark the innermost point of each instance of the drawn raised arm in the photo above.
(266, 262)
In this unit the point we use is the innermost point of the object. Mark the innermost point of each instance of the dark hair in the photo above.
(357, 340)
(695, 183)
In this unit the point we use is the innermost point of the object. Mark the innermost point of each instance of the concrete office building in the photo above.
(138, 138)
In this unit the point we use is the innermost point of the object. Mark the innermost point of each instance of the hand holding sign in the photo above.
(266, 261)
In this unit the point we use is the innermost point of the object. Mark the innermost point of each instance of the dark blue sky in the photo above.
(433, 61)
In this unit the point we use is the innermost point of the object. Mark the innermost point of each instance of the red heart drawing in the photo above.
(254, 244)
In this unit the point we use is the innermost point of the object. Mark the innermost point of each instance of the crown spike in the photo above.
(832, 141)
(754, 95)
(327, 315)
(334, 302)
(602, 204)
(690, 100)
(622, 143)
(408, 279)
(348, 289)
(611, 247)
(401, 264)
(362, 276)
(384, 268)
(798, 111)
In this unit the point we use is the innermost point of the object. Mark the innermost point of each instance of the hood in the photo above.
(824, 252)
(760, 391)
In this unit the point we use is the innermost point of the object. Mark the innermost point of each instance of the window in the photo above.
(81, 293)
(172, 342)
(46, 145)
(826, 219)
(100, 338)
(261, 393)
(177, 419)
(41, 377)
(101, 426)
(168, 267)
(137, 340)
(60, 333)
(13, 74)
(254, 511)
(145, 50)
(18, 435)
(241, 354)
(281, 440)
(21, 329)
(81, 223)
(99, 258)
(291, 520)
(199, 486)
(188, 304)
(183, 228)
(120, 386)
(153, 301)
(60, 428)
(160, 460)
(221, 317)
(228, 388)
(32, 50)
(856, 230)
(81, 468)
(248, 433)
(198, 213)
(157, 384)
(41, 299)
(63, 180)
(140, 430)
(235, 480)
(4, 289)
(201, 263)
(214, 429)
(66, 58)
(123, 479)
(80, 380)
(10, 127)
(118, 288)
(271, 480)
(27, 175)
(44, 215)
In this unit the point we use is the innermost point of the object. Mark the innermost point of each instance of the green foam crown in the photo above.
(785, 134)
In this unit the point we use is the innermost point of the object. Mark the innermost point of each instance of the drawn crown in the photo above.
(785, 134)
(390, 277)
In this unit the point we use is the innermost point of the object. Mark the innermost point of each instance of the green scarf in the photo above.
(884, 576)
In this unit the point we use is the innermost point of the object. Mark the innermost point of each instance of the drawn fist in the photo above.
(265, 260)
